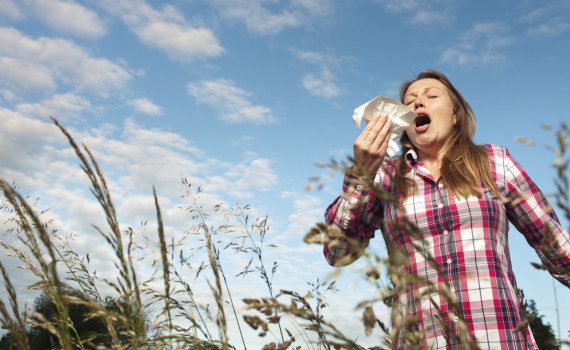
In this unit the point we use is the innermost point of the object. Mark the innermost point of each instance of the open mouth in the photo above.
(422, 120)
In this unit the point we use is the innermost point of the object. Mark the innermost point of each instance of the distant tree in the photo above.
(543, 333)
(92, 329)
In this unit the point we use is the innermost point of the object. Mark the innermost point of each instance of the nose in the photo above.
(418, 103)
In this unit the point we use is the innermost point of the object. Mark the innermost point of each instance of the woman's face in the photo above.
(430, 100)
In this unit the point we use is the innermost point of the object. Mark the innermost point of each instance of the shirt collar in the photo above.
(411, 158)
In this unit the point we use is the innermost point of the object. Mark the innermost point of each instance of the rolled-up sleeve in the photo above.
(355, 213)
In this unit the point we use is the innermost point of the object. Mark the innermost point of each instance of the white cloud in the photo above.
(322, 84)
(10, 96)
(316, 7)
(480, 45)
(28, 65)
(243, 179)
(427, 12)
(60, 106)
(136, 134)
(547, 10)
(491, 34)
(260, 20)
(230, 101)
(401, 5)
(10, 9)
(68, 17)
(21, 75)
(166, 30)
(22, 141)
(133, 161)
(317, 57)
(549, 30)
(145, 106)
(430, 17)
(178, 41)
(261, 17)
(308, 211)
(257, 18)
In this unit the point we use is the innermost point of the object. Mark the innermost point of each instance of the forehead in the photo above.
(425, 84)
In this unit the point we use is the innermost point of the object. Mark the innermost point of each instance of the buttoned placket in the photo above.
(441, 203)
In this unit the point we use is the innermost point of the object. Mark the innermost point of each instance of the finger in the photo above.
(375, 127)
(384, 146)
(366, 131)
(383, 134)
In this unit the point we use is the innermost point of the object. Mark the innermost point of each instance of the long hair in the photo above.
(465, 165)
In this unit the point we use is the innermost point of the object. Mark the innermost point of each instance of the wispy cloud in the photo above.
(10, 9)
(317, 57)
(544, 11)
(322, 83)
(430, 17)
(166, 30)
(68, 17)
(401, 5)
(480, 46)
(308, 210)
(549, 30)
(422, 12)
(244, 179)
(545, 20)
(60, 106)
(261, 20)
(315, 7)
(145, 106)
(230, 101)
(43, 64)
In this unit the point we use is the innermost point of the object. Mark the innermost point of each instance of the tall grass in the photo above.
(164, 311)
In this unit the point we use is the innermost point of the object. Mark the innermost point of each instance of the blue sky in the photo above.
(244, 97)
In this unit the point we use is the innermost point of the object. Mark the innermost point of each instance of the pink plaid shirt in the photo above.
(467, 237)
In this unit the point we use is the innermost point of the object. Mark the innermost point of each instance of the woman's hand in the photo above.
(371, 145)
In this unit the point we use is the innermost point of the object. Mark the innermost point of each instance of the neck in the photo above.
(432, 161)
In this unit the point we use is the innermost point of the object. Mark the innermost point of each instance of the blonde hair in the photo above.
(465, 165)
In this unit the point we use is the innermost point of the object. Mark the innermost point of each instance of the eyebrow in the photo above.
(424, 90)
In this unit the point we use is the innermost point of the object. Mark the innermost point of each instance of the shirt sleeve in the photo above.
(529, 211)
(355, 213)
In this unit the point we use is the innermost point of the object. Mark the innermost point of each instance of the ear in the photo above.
(454, 119)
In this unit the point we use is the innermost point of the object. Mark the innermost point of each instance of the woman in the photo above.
(461, 197)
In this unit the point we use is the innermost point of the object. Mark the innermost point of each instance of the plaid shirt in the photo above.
(468, 239)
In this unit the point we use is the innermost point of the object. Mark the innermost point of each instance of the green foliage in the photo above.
(541, 330)
(90, 329)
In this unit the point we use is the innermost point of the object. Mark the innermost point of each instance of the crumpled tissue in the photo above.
(400, 114)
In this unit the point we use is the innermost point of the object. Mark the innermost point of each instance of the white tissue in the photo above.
(400, 114)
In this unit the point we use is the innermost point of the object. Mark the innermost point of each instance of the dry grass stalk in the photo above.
(127, 327)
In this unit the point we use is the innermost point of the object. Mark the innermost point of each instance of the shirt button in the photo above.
(452, 290)
(455, 319)
(440, 205)
(359, 187)
(445, 233)
(449, 261)
(440, 185)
